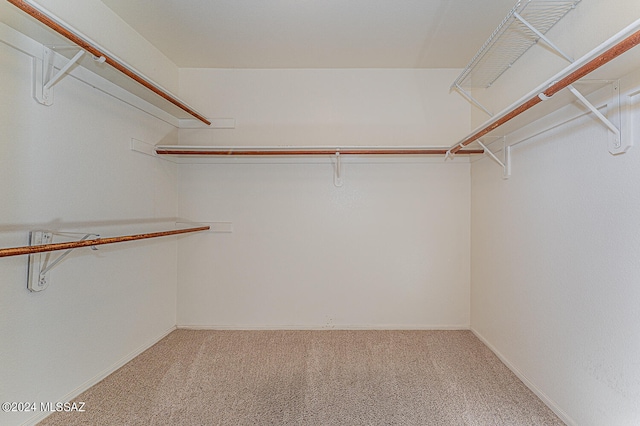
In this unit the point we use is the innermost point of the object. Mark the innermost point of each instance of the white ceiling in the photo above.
(315, 33)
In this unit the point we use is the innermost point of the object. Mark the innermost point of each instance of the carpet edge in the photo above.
(527, 382)
(100, 376)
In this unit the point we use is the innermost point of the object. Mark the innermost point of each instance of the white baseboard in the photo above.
(94, 380)
(325, 327)
(528, 383)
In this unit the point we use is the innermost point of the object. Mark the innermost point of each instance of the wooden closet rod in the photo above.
(17, 251)
(603, 58)
(84, 44)
(348, 151)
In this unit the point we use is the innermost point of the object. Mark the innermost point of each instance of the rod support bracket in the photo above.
(616, 145)
(43, 78)
(543, 97)
(337, 177)
(506, 163)
(40, 264)
(448, 154)
(35, 280)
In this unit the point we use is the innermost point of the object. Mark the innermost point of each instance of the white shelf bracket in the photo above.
(449, 154)
(472, 100)
(543, 37)
(615, 141)
(506, 164)
(337, 177)
(39, 264)
(43, 81)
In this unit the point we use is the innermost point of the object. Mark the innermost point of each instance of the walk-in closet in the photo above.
(320, 212)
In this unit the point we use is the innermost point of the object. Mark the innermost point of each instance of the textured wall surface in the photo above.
(390, 248)
(555, 268)
(328, 107)
(68, 167)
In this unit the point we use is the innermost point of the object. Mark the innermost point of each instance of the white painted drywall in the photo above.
(388, 249)
(68, 167)
(555, 249)
(334, 107)
(555, 270)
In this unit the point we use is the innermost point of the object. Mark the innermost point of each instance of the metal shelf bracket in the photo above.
(471, 99)
(450, 154)
(616, 145)
(506, 164)
(43, 81)
(39, 264)
(543, 37)
(337, 177)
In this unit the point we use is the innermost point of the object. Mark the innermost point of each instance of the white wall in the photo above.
(388, 249)
(68, 167)
(555, 251)
(555, 270)
(334, 107)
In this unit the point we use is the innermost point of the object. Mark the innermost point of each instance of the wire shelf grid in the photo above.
(511, 39)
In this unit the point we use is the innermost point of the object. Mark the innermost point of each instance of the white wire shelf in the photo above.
(511, 40)
(34, 30)
(550, 97)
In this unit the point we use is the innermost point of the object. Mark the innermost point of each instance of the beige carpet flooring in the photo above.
(312, 378)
